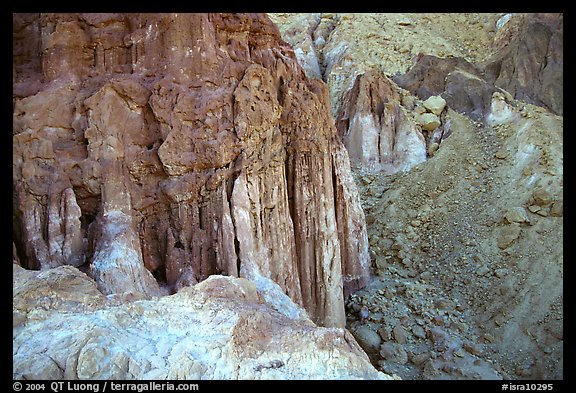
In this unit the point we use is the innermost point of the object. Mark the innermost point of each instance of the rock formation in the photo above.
(222, 328)
(526, 65)
(459, 82)
(375, 127)
(166, 148)
(467, 247)
(371, 120)
(529, 58)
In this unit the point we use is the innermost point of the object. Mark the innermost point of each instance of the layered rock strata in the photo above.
(178, 146)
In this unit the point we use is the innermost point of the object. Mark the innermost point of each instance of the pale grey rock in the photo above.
(435, 104)
(428, 121)
(221, 328)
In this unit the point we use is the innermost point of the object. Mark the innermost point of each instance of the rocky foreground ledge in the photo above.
(221, 328)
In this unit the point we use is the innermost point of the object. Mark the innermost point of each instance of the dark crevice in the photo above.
(335, 196)
(19, 245)
(379, 142)
(86, 219)
(160, 275)
(229, 190)
(237, 250)
(289, 190)
(44, 222)
(320, 52)
(281, 92)
(201, 215)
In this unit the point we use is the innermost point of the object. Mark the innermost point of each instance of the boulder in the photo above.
(542, 197)
(368, 339)
(428, 121)
(516, 215)
(507, 235)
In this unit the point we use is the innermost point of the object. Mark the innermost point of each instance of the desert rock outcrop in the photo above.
(376, 129)
(529, 58)
(165, 148)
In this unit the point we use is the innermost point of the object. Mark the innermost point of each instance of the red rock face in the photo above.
(177, 146)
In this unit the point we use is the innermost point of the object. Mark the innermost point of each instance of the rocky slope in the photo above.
(155, 150)
(467, 240)
(221, 328)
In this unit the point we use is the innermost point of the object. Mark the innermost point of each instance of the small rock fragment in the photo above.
(488, 337)
(419, 109)
(451, 369)
(542, 197)
(500, 272)
(408, 101)
(370, 219)
(428, 121)
(501, 154)
(534, 208)
(383, 332)
(435, 104)
(418, 331)
(508, 234)
(430, 369)
(381, 263)
(364, 312)
(442, 303)
(557, 209)
(472, 348)
(432, 148)
(399, 334)
(516, 214)
(482, 270)
(368, 339)
(394, 353)
(420, 358)
(437, 335)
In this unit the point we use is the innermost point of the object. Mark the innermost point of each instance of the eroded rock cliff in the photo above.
(165, 148)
